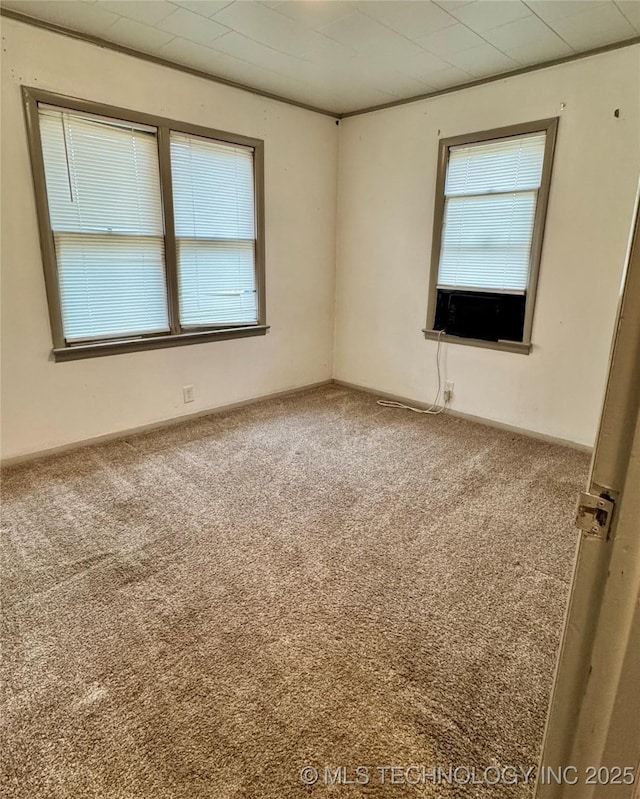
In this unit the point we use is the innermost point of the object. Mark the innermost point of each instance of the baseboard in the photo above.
(470, 417)
(174, 420)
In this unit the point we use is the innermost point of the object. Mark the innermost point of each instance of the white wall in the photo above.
(386, 193)
(385, 208)
(45, 404)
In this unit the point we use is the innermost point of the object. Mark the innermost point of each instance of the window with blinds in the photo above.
(490, 204)
(103, 189)
(491, 200)
(152, 231)
(214, 210)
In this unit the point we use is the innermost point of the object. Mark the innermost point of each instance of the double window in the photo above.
(491, 200)
(151, 230)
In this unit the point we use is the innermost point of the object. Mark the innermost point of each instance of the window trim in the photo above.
(177, 337)
(550, 127)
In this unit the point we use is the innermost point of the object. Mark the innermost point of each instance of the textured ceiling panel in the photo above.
(343, 55)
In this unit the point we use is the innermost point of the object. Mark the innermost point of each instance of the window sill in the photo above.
(96, 350)
(524, 348)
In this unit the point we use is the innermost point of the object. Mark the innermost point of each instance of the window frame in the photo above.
(550, 128)
(62, 351)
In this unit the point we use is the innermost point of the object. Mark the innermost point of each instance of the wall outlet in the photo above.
(448, 391)
(189, 393)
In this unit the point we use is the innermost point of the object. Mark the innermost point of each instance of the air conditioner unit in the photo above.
(482, 315)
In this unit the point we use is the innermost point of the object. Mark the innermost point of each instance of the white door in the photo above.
(593, 726)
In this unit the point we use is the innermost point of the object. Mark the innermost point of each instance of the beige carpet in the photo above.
(204, 610)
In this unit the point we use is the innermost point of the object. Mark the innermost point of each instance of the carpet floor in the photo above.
(204, 610)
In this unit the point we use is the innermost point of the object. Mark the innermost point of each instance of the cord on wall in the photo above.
(433, 409)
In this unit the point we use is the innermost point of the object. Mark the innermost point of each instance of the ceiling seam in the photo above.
(621, 10)
(534, 12)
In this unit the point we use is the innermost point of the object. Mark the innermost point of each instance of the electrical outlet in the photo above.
(189, 393)
(448, 391)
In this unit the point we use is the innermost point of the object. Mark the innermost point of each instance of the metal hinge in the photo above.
(594, 515)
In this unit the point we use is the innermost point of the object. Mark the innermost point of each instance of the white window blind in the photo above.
(103, 189)
(491, 193)
(214, 212)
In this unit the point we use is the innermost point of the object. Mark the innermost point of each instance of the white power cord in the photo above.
(433, 409)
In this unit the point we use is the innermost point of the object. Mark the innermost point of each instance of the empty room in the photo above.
(320, 391)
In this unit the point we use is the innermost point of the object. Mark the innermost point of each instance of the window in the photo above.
(151, 230)
(215, 231)
(491, 198)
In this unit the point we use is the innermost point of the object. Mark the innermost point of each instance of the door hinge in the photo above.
(594, 515)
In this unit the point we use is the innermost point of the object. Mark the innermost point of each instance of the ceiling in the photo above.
(344, 55)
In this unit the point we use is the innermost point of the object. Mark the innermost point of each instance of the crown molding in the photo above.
(163, 62)
(607, 48)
